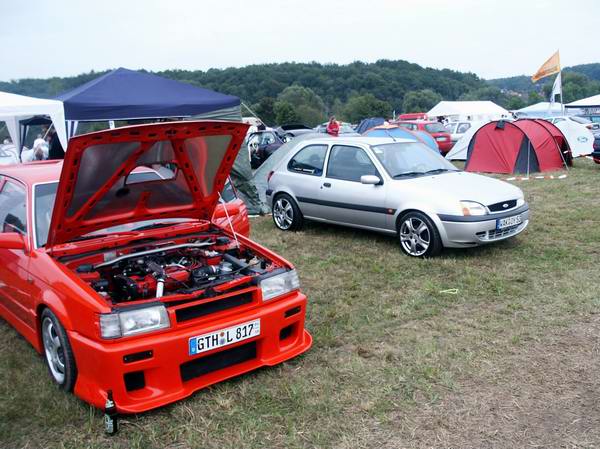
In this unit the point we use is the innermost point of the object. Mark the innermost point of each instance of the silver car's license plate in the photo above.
(507, 222)
(223, 337)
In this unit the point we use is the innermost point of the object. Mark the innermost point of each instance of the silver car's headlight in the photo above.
(520, 202)
(472, 208)
(134, 321)
(279, 284)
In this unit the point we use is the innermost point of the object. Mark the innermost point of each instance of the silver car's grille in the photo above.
(495, 234)
(502, 206)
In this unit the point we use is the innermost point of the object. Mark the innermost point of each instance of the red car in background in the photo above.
(114, 269)
(436, 129)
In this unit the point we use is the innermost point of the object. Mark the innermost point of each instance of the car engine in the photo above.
(172, 269)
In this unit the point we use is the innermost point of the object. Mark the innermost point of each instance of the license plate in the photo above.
(223, 337)
(502, 223)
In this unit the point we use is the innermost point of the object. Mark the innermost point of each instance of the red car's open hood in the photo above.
(191, 161)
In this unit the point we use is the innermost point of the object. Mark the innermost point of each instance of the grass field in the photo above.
(492, 347)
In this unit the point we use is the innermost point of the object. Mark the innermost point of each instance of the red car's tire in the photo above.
(57, 351)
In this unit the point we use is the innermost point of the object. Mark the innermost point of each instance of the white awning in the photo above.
(589, 102)
(469, 110)
(14, 108)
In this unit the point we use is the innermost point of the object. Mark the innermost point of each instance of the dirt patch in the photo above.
(543, 395)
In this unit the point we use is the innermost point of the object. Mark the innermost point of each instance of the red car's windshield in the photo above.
(435, 128)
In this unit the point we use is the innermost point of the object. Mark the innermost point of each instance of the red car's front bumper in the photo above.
(158, 379)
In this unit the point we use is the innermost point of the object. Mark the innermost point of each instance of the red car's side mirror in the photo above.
(223, 210)
(12, 240)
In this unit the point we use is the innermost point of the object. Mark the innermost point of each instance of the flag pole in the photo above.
(562, 105)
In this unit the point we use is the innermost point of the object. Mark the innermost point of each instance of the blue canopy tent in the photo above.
(129, 95)
(403, 133)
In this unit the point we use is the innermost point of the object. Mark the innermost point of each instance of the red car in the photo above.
(436, 129)
(121, 279)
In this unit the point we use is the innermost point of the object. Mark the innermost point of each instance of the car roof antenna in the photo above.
(222, 201)
(387, 131)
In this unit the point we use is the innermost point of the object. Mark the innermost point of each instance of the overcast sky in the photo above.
(490, 38)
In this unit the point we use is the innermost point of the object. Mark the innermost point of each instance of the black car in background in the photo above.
(261, 144)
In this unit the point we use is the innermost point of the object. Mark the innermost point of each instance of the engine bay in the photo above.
(177, 269)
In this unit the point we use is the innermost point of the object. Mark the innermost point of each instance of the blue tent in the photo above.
(368, 123)
(403, 133)
(127, 95)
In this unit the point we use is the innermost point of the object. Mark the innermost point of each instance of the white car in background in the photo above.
(8, 155)
(457, 129)
(578, 120)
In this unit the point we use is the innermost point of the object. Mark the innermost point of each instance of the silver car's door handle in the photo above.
(326, 184)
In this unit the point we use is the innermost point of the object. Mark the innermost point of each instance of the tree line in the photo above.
(311, 92)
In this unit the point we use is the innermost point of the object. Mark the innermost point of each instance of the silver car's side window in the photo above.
(309, 160)
(349, 163)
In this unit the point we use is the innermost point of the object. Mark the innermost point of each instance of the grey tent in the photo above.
(259, 180)
(241, 176)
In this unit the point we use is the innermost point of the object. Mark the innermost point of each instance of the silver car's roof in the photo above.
(357, 140)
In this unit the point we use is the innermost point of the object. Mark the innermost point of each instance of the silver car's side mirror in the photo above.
(370, 179)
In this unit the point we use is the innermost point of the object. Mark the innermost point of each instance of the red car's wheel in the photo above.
(58, 352)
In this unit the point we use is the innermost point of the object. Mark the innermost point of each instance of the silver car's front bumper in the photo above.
(463, 232)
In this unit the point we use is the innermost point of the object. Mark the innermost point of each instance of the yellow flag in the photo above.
(550, 67)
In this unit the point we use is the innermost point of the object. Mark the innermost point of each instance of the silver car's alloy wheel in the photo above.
(54, 350)
(283, 213)
(415, 236)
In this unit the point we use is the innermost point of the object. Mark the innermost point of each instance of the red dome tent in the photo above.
(523, 146)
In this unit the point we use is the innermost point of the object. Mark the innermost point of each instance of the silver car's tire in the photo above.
(418, 235)
(286, 213)
(57, 351)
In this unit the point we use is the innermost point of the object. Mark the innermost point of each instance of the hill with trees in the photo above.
(310, 92)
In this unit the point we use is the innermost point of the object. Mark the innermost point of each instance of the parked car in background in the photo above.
(457, 130)
(579, 120)
(261, 145)
(118, 275)
(436, 129)
(397, 187)
(8, 154)
(596, 152)
(288, 132)
(345, 129)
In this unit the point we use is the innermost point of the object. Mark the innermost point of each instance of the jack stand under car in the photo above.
(111, 418)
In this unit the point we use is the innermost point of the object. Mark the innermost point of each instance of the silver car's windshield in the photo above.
(410, 159)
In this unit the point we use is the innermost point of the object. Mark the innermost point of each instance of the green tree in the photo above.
(420, 100)
(363, 106)
(265, 109)
(534, 98)
(515, 102)
(285, 113)
(309, 107)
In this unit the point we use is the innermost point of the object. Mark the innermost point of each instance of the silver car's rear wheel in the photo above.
(418, 235)
(286, 214)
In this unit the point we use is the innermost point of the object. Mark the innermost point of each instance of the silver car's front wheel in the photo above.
(418, 235)
(286, 214)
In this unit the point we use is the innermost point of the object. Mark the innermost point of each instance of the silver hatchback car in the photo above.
(395, 186)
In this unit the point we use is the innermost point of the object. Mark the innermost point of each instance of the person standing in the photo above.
(56, 150)
(333, 127)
